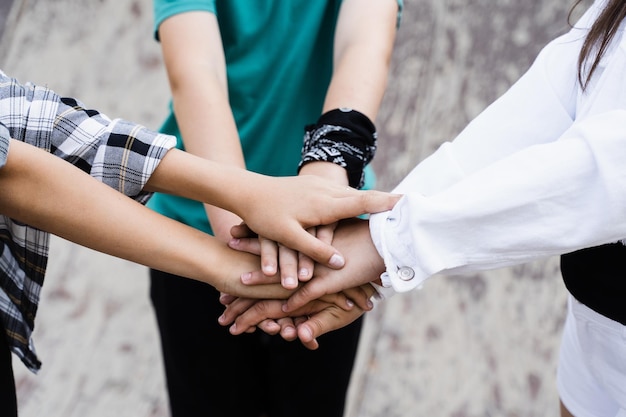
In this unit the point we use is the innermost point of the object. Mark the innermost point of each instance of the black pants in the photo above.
(8, 399)
(213, 373)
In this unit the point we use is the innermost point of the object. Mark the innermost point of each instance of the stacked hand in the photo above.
(331, 299)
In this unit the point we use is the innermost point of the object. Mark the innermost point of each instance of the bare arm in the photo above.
(196, 68)
(280, 208)
(48, 193)
(364, 40)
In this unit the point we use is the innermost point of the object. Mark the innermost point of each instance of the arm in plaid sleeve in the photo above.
(121, 154)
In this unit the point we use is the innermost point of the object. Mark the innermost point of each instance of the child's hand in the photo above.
(306, 201)
(294, 267)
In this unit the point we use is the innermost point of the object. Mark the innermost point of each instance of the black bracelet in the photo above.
(344, 137)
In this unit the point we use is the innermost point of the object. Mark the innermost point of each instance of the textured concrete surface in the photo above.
(483, 345)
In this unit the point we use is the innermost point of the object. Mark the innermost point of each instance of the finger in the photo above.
(246, 244)
(360, 297)
(258, 312)
(300, 240)
(310, 291)
(307, 331)
(234, 310)
(270, 327)
(288, 265)
(312, 344)
(258, 278)
(298, 320)
(339, 299)
(325, 233)
(377, 201)
(325, 321)
(241, 231)
(226, 299)
(366, 202)
(306, 265)
(288, 329)
(269, 256)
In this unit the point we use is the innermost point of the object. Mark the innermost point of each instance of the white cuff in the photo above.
(401, 277)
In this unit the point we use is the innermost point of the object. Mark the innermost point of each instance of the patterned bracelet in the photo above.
(344, 137)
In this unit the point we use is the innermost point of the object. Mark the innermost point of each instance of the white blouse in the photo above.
(541, 172)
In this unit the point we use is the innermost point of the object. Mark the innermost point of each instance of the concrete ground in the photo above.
(484, 345)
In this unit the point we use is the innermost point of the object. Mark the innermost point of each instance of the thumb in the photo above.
(323, 322)
(306, 336)
(241, 230)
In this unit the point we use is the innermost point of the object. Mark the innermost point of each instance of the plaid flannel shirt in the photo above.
(122, 155)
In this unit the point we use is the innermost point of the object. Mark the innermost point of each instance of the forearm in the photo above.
(208, 130)
(190, 176)
(205, 120)
(48, 193)
(196, 69)
(364, 41)
(363, 46)
(352, 87)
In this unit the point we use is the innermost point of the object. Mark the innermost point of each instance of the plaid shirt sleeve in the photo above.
(121, 154)
(4, 144)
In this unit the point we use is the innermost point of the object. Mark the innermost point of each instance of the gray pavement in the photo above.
(5, 8)
(484, 345)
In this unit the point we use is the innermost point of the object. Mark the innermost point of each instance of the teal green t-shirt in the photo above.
(279, 63)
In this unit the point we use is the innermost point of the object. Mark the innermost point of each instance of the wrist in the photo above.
(327, 170)
(344, 137)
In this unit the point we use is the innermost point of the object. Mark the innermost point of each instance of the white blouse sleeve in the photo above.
(519, 183)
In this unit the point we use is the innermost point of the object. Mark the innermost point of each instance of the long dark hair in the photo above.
(599, 37)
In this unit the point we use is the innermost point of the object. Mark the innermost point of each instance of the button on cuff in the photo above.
(406, 273)
(403, 278)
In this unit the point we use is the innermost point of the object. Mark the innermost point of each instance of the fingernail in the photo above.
(290, 282)
(337, 261)
(234, 242)
(220, 319)
(245, 277)
(307, 333)
(284, 308)
(269, 270)
(370, 304)
(304, 272)
(233, 328)
(349, 303)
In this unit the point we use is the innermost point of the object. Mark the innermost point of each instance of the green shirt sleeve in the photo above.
(167, 8)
